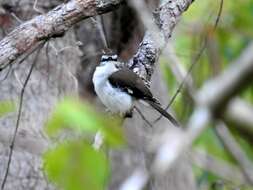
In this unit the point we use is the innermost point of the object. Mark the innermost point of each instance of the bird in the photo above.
(118, 88)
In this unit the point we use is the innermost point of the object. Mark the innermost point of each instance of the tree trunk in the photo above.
(51, 79)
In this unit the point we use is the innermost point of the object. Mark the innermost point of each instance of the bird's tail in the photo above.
(157, 107)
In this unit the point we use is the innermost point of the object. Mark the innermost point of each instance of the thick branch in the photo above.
(216, 166)
(239, 113)
(235, 150)
(155, 40)
(53, 24)
(221, 89)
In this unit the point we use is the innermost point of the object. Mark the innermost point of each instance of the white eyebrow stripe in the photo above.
(114, 56)
(109, 58)
(104, 57)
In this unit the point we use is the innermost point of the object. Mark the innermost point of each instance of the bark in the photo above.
(51, 79)
(51, 25)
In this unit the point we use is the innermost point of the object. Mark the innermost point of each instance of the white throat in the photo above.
(102, 72)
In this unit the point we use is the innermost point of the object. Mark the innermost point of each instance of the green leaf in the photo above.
(71, 113)
(6, 107)
(77, 166)
(83, 118)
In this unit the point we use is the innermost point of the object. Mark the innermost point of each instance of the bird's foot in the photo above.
(128, 114)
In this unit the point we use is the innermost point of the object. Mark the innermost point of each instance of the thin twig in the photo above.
(19, 117)
(48, 61)
(143, 117)
(196, 59)
(20, 85)
(98, 22)
(16, 18)
(36, 8)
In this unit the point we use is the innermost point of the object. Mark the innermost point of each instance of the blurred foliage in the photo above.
(82, 117)
(233, 34)
(6, 107)
(74, 164)
(211, 144)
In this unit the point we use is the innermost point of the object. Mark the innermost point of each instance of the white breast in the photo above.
(114, 99)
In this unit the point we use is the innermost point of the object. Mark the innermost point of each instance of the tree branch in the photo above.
(218, 167)
(156, 37)
(239, 114)
(53, 24)
(235, 150)
(216, 93)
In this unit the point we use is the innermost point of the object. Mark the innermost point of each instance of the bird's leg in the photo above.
(129, 114)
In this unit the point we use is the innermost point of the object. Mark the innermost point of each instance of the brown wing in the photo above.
(131, 83)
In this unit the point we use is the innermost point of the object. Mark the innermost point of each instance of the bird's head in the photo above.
(108, 58)
(108, 65)
(109, 61)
